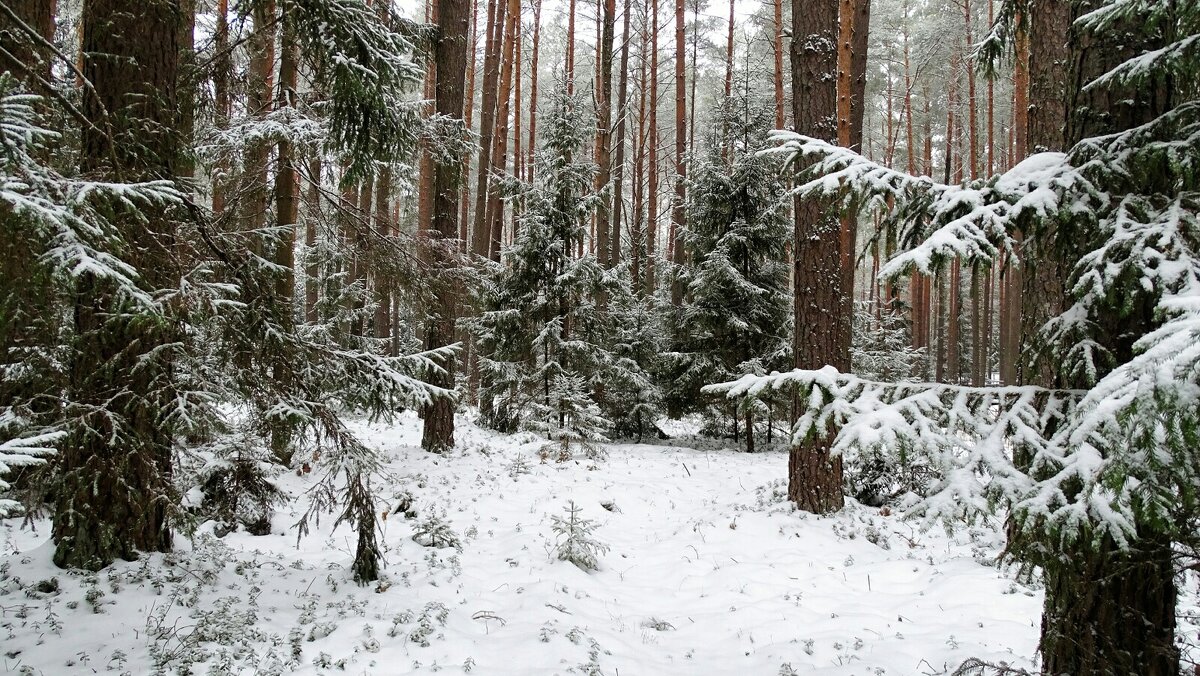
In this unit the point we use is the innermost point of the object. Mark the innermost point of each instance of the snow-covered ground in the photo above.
(709, 572)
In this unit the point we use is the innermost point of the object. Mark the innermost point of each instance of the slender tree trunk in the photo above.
(469, 109)
(260, 84)
(425, 164)
(481, 233)
(652, 155)
(636, 246)
(450, 54)
(1011, 311)
(312, 216)
(518, 153)
(495, 206)
(678, 215)
(604, 244)
(779, 108)
(222, 72)
(618, 201)
(381, 283)
(114, 489)
(570, 69)
(533, 85)
(287, 178)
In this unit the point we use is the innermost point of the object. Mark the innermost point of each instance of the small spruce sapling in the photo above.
(575, 539)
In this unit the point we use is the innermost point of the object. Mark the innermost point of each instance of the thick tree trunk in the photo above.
(450, 54)
(115, 468)
(1109, 612)
(27, 59)
(814, 477)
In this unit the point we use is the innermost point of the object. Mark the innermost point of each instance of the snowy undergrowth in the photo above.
(707, 571)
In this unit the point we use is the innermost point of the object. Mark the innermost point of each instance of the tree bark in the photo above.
(533, 87)
(260, 85)
(814, 476)
(604, 242)
(652, 154)
(481, 232)
(678, 215)
(636, 221)
(618, 201)
(450, 54)
(495, 205)
(115, 468)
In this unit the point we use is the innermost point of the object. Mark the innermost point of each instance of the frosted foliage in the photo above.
(1120, 453)
(66, 220)
(576, 540)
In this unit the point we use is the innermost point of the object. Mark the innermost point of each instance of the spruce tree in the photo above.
(541, 336)
(735, 321)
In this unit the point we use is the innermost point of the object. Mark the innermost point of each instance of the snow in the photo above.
(709, 571)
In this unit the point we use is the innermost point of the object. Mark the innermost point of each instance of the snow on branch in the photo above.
(936, 222)
(991, 446)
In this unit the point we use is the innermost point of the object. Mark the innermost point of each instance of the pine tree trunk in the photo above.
(779, 109)
(469, 107)
(425, 165)
(678, 215)
(570, 64)
(260, 86)
(637, 218)
(652, 154)
(495, 206)
(310, 239)
(481, 232)
(287, 178)
(533, 87)
(450, 54)
(618, 201)
(381, 284)
(604, 132)
(814, 477)
(114, 490)
(222, 102)
(1109, 613)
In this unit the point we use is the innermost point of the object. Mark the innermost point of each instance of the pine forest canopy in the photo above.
(945, 253)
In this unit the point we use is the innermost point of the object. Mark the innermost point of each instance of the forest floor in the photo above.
(709, 571)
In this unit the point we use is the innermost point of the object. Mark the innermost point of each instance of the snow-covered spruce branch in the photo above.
(973, 437)
(935, 222)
